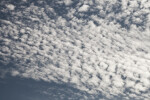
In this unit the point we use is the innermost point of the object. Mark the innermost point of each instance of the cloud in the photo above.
(84, 8)
(105, 52)
(10, 6)
(68, 2)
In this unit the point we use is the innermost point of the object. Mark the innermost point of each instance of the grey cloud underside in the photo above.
(102, 48)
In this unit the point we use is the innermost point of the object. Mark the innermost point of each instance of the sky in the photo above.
(75, 49)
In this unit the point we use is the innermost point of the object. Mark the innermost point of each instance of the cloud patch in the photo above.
(93, 52)
(84, 8)
(10, 6)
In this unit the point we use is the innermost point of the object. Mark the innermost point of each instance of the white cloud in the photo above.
(84, 8)
(10, 6)
(105, 57)
(15, 73)
(68, 2)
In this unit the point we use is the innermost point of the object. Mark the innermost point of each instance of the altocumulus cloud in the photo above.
(97, 46)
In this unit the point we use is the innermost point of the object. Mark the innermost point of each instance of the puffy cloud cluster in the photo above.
(96, 46)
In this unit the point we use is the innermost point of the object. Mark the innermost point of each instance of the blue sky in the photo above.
(16, 88)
